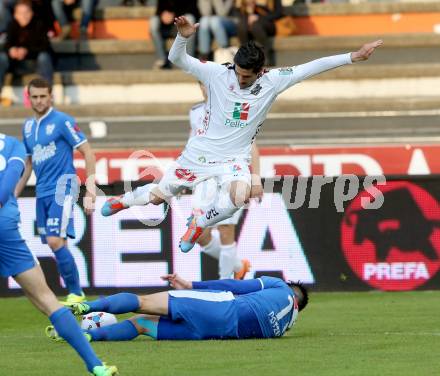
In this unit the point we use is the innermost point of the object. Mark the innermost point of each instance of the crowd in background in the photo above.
(28, 26)
(219, 20)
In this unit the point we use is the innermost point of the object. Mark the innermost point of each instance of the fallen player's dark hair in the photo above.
(303, 297)
(250, 56)
(40, 83)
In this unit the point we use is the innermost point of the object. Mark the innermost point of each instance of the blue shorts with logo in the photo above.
(54, 219)
(199, 314)
(15, 256)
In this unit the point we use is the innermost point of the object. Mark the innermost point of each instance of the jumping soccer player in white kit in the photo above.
(239, 98)
(219, 244)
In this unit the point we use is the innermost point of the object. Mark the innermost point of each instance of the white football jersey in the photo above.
(196, 116)
(233, 116)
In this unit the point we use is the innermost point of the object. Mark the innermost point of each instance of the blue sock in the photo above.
(66, 326)
(68, 270)
(123, 302)
(122, 331)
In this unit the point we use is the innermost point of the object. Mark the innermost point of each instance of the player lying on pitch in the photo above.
(265, 307)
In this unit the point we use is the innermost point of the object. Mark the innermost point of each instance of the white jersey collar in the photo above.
(44, 116)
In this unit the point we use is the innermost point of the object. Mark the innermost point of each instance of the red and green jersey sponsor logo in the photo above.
(241, 111)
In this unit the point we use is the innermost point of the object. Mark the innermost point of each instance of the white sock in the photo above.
(140, 196)
(221, 209)
(213, 247)
(237, 264)
(226, 262)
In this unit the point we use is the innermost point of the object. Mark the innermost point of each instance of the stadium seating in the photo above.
(111, 72)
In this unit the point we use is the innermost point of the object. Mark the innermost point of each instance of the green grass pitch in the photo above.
(368, 333)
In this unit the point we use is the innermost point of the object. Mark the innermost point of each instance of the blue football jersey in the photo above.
(50, 142)
(271, 299)
(10, 149)
(275, 306)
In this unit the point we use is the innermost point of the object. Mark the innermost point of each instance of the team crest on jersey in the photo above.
(28, 128)
(256, 90)
(49, 129)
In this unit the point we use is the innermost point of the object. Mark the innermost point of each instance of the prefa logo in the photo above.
(396, 247)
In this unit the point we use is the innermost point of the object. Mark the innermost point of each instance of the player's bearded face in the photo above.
(245, 77)
(40, 99)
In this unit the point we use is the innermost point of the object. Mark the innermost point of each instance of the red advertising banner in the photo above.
(120, 165)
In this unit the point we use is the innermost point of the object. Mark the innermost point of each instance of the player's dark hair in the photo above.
(39, 83)
(250, 56)
(303, 296)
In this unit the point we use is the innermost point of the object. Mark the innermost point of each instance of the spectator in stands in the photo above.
(27, 48)
(59, 9)
(215, 20)
(257, 22)
(43, 10)
(162, 27)
(6, 8)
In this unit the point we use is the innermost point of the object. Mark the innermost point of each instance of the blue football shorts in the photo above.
(15, 256)
(199, 314)
(54, 219)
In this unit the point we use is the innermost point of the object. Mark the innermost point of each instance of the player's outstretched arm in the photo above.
(293, 75)
(365, 51)
(235, 286)
(180, 58)
(185, 28)
(177, 282)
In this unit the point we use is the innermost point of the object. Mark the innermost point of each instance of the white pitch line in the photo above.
(289, 115)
